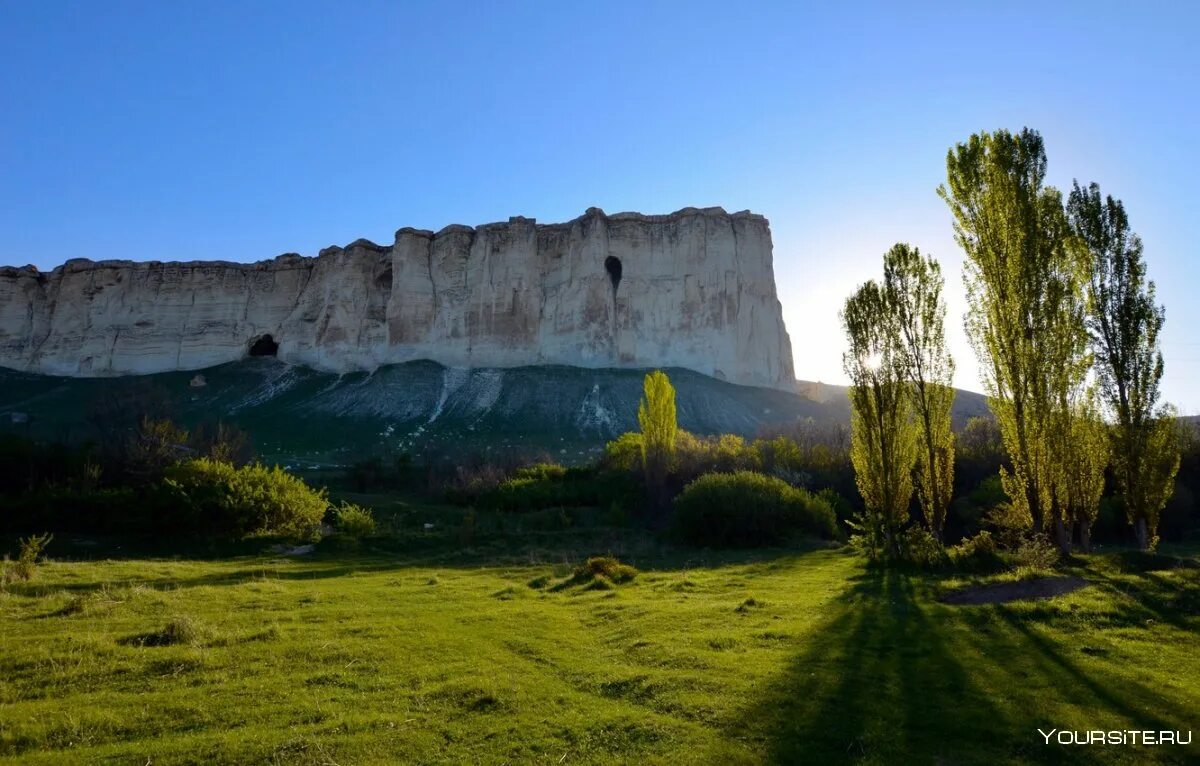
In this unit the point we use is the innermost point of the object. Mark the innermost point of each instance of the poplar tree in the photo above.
(1080, 450)
(912, 284)
(656, 418)
(1061, 377)
(1124, 326)
(1024, 278)
(883, 440)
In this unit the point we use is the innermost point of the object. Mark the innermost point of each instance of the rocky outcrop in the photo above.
(694, 289)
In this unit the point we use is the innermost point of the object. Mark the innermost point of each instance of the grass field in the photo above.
(406, 651)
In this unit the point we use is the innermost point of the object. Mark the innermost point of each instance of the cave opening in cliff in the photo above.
(264, 345)
(384, 280)
(612, 265)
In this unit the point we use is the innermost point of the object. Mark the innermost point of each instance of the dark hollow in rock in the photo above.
(612, 265)
(264, 345)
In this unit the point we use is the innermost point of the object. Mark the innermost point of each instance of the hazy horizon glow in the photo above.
(210, 131)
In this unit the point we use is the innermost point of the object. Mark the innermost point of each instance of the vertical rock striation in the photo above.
(693, 289)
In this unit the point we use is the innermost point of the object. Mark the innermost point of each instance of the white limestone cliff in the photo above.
(693, 289)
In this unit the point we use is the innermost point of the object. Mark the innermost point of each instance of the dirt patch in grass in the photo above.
(1022, 590)
(1138, 562)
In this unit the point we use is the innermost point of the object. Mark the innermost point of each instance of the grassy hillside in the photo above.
(303, 417)
(418, 649)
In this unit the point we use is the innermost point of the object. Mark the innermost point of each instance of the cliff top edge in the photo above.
(298, 261)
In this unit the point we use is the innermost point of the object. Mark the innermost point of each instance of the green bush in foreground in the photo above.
(747, 509)
(608, 567)
(25, 567)
(252, 500)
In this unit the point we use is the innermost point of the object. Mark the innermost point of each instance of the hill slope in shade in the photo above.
(301, 416)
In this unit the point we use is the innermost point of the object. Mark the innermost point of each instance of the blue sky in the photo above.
(192, 130)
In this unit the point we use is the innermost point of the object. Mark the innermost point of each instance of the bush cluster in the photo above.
(812, 457)
(25, 567)
(548, 485)
(552, 486)
(919, 547)
(976, 554)
(218, 498)
(353, 521)
(748, 509)
(1035, 552)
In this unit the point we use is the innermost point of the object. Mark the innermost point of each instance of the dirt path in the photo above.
(1023, 590)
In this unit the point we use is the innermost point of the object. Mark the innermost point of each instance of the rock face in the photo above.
(694, 289)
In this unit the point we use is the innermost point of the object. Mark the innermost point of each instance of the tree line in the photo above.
(1066, 327)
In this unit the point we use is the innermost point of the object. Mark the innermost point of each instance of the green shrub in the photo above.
(1009, 525)
(919, 547)
(524, 495)
(253, 500)
(746, 509)
(625, 452)
(540, 472)
(976, 554)
(867, 534)
(1035, 553)
(353, 521)
(547, 485)
(473, 481)
(842, 509)
(25, 567)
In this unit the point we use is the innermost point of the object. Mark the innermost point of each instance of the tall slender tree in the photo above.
(656, 418)
(1081, 451)
(1062, 378)
(1024, 279)
(912, 286)
(1124, 325)
(883, 440)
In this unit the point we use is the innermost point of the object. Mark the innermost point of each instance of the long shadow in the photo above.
(1153, 596)
(1140, 705)
(877, 681)
(891, 676)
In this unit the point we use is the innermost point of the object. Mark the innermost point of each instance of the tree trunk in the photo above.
(1061, 536)
(1143, 534)
(1035, 508)
(1085, 536)
(892, 541)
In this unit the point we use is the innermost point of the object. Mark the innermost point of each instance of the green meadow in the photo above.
(436, 646)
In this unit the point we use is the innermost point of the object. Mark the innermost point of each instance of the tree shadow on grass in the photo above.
(893, 677)
(873, 683)
(1151, 595)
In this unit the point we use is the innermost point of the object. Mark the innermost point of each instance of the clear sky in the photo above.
(195, 130)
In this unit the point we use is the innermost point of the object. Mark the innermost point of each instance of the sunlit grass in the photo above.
(461, 656)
